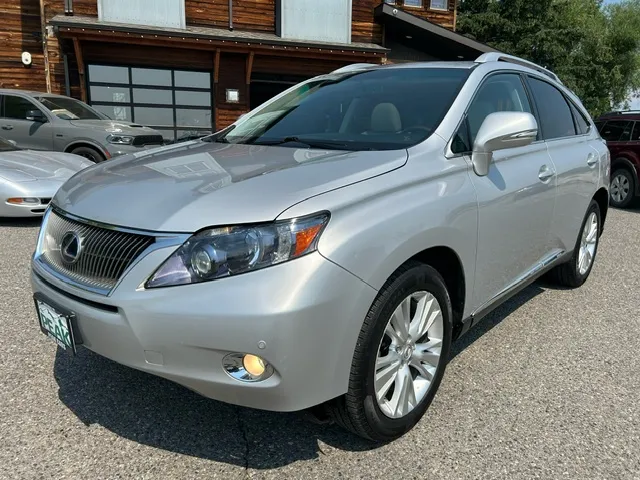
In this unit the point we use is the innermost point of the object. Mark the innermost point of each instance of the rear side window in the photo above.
(635, 135)
(17, 107)
(554, 111)
(582, 124)
(617, 130)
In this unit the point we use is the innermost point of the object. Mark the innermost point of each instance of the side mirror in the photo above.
(36, 116)
(499, 131)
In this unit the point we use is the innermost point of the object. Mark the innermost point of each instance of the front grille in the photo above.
(142, 140)
(102, 258)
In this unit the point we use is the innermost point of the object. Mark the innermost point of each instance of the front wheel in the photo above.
(89, 153)
(576, 271)
(622, 188)
(400, 356)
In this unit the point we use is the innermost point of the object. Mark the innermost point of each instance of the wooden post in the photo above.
(216, 66)
(45, 46)
(248, 80)
(216, 69)
(83, 85)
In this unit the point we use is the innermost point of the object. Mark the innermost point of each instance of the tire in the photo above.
(570, 274)
(89, 153)
(359, 409)
(622, 188)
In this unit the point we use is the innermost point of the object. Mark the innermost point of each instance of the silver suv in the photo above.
(328, 247)
(42, 121)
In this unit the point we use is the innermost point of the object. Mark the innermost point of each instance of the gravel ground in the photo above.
(546, 387)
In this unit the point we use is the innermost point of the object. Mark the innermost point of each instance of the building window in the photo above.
(165, 13)
(413, 3)
(175, 102)
(390, 2)
(438, 5)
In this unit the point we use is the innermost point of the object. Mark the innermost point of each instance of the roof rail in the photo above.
(355, 66)
(621, 112)
(503, 57)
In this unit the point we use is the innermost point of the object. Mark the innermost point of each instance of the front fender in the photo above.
(378, 224)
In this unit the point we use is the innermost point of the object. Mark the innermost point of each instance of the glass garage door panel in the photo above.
(175, 102)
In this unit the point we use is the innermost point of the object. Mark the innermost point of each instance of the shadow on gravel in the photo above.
(20, 222)
(161, 414)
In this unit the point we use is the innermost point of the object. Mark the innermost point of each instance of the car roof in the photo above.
(621, 115)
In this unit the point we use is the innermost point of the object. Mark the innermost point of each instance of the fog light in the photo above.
(246, 367)
(254, 365)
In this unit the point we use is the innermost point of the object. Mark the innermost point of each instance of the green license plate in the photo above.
(56, 325)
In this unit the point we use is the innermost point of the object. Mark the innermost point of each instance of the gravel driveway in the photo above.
(546, 387)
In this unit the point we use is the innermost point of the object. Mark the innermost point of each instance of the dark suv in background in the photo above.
(621, 130)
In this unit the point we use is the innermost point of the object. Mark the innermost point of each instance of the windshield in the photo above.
(70, 109)
(380, 109)
(6, 146)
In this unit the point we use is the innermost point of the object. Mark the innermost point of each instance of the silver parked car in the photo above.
(328, 247)
(41, 121)
(29, 180)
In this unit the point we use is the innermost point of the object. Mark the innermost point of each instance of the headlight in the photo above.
(120, 139)
(223, 252)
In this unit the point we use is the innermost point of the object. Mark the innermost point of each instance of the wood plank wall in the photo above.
(21, 31)
(365, 29)
(256, 15)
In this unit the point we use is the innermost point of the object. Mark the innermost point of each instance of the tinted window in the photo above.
(377, 109)
(499, 93)
(17, 107)
(616, 130)
(635, 136)
(582, 124)
(555, 115)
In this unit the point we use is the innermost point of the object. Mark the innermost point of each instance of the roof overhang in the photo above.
(427, 36)
(205, 38)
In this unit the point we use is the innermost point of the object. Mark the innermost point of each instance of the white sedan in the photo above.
(29, 179)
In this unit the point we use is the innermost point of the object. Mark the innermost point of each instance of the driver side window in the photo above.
(499, 93)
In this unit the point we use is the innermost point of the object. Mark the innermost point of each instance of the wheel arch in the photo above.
(86, 143)
(602, 199)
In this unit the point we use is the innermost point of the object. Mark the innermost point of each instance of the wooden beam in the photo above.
(216, 65)
(249, 67)
(83, 85)
(45, 47)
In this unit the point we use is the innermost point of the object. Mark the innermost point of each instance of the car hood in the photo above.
(193, 185)
(115, 126)
(29, 166)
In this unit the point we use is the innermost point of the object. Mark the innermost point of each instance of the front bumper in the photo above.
(308, 312)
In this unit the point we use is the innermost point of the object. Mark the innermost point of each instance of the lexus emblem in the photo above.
(70, 247)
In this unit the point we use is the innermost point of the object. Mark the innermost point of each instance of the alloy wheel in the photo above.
(620, 188)
(408, 354)
(588, 243)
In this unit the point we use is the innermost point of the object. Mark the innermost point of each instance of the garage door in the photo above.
(175, 102)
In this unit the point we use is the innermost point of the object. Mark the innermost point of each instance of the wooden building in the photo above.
(196, 65)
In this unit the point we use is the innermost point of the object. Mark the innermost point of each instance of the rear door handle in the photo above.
(545, 173)
(7, 127)
(591, 159)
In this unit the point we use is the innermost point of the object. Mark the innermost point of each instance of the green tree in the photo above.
(593, 49)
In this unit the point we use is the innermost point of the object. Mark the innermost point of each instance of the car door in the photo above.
(26, 133)
(515, 200)
(570, 146)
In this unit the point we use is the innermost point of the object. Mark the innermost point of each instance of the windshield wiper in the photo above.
(309, 143)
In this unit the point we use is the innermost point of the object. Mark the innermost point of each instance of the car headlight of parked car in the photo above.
(120, 139)
(227, 251)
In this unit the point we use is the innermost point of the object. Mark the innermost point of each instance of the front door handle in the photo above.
(591, 159)
(7, 127)
(545, 173)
